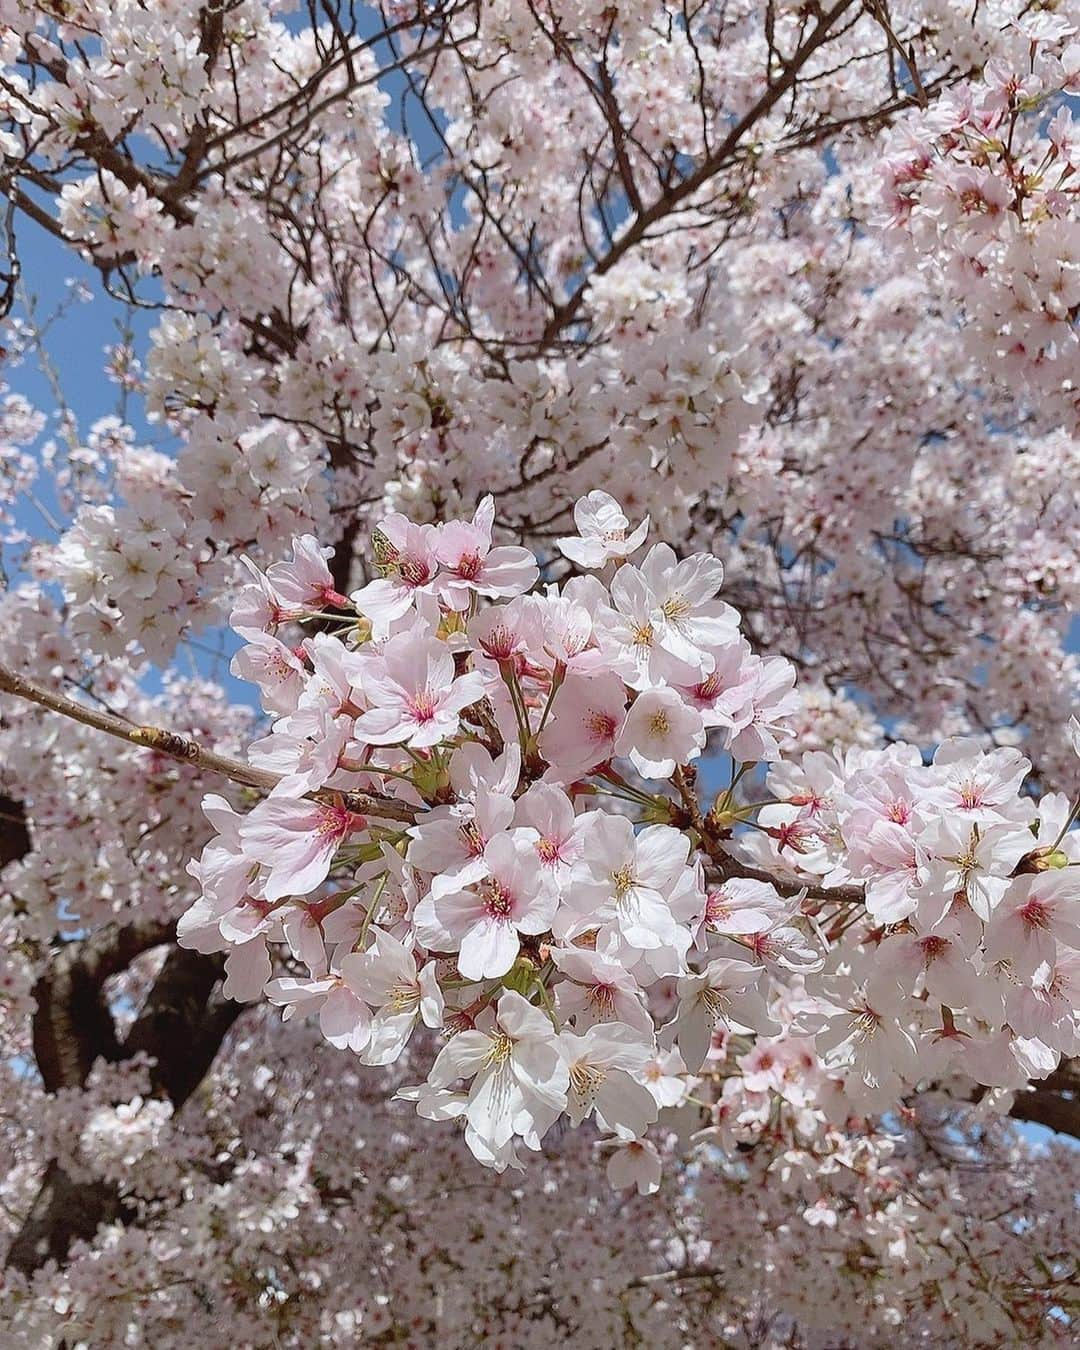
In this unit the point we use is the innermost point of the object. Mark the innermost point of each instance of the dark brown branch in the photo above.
(182, 1023)
(729, 867)
(1054, 1101)
(64, 1211)
(72, 1026)
(188, 751)
(14, 836)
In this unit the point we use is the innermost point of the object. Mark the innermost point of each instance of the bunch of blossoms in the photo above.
(147, 567)
(439, 847)
(463, 834)
(948, 1232)
(77, 878)
(959, 958)
(984, 187)
(654, 339)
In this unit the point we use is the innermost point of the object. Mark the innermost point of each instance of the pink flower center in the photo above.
(709, 688)
(599, 725)
(795, 835)
(500, 643)
(474, 841)
(932, 948)
(336, 821)
(716, 907)
(414, 571)
(548, 849)
(422, 706)
(865, 1021)
(659, 725)
(574, 640)
(602, 999)
(1035, 915)
(972, 200)
(715, 1002)
(469, 566)
(761, 944)
(971, 795)
(498, 901)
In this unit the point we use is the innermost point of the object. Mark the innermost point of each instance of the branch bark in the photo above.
(1054, 1101)
(187, 751)
(73, 1026)
(14, 835)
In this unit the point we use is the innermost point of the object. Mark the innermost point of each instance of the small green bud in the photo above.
(521, 975)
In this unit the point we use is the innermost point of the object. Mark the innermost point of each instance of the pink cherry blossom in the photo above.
(482, 923)
(473, 566)
(601, 532)
(414, 696)
(587, 715)
(295, 842)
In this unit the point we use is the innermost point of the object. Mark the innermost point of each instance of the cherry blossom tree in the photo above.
(632, 448)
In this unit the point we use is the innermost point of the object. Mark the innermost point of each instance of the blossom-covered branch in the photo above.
(688, 825)
(563, 909)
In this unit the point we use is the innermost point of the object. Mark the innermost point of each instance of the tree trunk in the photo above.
(182, 1025)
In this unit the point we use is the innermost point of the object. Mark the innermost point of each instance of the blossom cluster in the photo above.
(486, 822)
(964, 953)
(538, 845)
(146, 570)
(984, 186)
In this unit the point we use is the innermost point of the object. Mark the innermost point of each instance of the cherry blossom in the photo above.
(635, 453)
(601, 532)
(482, 923)
(518, 1077)
(416, 699)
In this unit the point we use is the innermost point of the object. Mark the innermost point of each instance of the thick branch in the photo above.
(72, 1026)
(64, 1211)
(188, 751)
(729, 867)
(1054, 1101)
(183, 1023)
(14, 836)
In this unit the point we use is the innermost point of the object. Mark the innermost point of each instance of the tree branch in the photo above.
(191, 752)
(14, 836)
(72, 1026)
(711, 165)
(1053, 1101)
